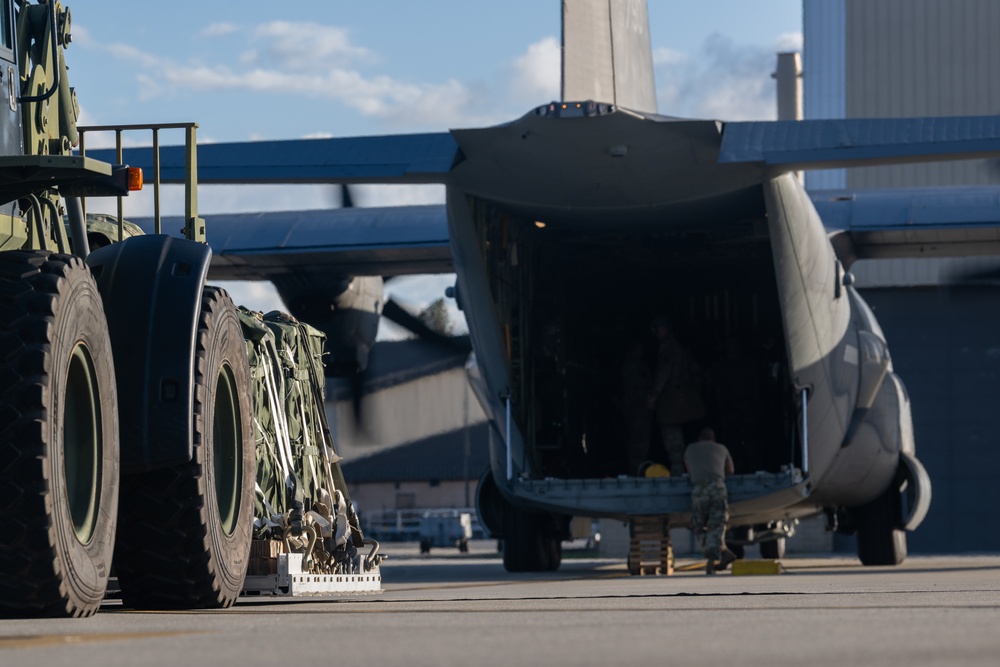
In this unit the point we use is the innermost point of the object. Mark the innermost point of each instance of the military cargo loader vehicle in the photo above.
(149, 429)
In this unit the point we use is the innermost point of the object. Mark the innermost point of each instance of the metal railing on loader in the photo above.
(194, 226)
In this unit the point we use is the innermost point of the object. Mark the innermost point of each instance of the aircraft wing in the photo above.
(876, 224)
(829, 144)
(406, 158)
(428, 158)
(397, 240)
(899, 223)
(912, 222)
(350, 241)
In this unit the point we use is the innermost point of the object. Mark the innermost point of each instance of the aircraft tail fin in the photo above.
(606, 53)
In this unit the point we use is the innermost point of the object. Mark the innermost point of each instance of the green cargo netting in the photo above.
(297, 465)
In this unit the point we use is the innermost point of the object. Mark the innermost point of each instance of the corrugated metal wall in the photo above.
(823, 63)
(922, 58)
(921, 272)
(945, 344)
(908, 58)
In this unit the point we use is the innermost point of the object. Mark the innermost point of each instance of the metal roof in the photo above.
(440, 457)
(396, 362)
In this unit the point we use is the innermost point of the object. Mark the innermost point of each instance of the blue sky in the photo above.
(269, 70)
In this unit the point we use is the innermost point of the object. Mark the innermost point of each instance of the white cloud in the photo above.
(446, 104)
(132, 55)
(220, 29)
(259, 295)
(321, 62)
(303, 47)
(787, 42)
(149, 87)
(724, 80)
(536, 74)
(665, 56)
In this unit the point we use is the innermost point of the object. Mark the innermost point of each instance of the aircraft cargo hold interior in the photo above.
(575, 302)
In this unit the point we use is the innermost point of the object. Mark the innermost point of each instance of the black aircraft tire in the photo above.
(880, 541)
(184, 534)
(524, 544)
(58, 438)
(553, 546)
(773, 549)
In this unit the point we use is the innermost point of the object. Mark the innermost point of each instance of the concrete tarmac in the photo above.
(463, 609)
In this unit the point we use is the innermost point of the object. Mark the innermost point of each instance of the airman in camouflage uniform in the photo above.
(675, 393)
(708, 463)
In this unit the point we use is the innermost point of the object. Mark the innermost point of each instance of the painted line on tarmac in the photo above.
(40, 641)
(492, 609)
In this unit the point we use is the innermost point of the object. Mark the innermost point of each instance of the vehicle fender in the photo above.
(915, 490)
(151, 287)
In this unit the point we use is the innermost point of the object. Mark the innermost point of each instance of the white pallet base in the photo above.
(292, 581)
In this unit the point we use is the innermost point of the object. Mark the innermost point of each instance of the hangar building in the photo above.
(900, 58)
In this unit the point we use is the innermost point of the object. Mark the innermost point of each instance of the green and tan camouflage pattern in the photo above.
(296, 457)
(709, 516)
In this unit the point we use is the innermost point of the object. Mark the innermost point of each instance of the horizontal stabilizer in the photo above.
(826, 144)
(405, 158)
(398, 240)
(912, 222)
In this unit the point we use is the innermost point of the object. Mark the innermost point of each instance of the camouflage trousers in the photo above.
(709, 516)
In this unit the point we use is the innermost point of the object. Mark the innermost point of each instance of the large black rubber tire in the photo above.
(526, 545)
(184, 531)
(773, 549)
(880, 541)
(553, 546)
(58, 438)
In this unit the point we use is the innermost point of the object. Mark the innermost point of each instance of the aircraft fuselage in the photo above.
(571, 231)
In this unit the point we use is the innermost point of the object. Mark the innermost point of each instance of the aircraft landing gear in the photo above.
(773, 549)
(528, 544)
(880, 540)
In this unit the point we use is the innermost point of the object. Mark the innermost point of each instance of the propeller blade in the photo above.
(339, 196)
(357, 394)
(396, 314)
(346, 199)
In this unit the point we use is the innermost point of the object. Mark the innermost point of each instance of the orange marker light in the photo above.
(134, 179)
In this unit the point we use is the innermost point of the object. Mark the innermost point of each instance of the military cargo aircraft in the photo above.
(571, 227)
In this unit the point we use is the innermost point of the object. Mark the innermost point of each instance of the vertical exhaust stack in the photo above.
(789, 80)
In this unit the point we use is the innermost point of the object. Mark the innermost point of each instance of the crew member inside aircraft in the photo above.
(636, 384)
(735, 397)
(676, 392)
(708, 462)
